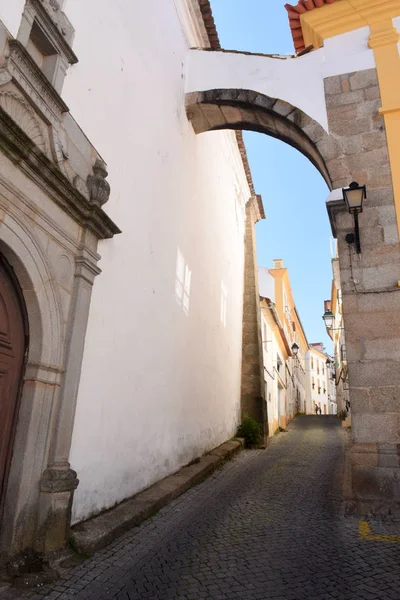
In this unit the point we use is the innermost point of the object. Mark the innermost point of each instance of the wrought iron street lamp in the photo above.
(295, 349)
(329, 319)
(354, 197)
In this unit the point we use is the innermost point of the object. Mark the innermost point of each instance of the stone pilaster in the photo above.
(252, 390)
(370, 291)
(59, 481)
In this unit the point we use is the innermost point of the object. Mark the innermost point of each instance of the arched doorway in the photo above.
(12, 353)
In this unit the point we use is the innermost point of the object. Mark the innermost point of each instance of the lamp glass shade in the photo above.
(295, 349)
(329, 318)
(328, 362)
(354, 196)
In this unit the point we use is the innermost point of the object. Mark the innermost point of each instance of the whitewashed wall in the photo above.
(160, 381)
(315, 361)
(270, 350)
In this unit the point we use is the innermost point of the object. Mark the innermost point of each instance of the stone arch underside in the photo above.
(249, 110)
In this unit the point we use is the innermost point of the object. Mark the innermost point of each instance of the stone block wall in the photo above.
(252, 390)
(357, 150)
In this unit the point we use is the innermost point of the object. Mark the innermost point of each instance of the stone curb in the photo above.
(96, 533)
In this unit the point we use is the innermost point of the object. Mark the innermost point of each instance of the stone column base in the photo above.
(56, 494)
(256, 408)
(375, 478)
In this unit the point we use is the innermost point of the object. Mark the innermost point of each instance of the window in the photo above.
(323, 369)
(324, 391)
(318, 367)
(313, 383)
(319, 387)
(47, 35)
(265, 334)
(42, 51)
(312, 363)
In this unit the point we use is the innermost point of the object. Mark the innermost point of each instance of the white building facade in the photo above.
(156, 381)
(275, 354)
(321, 387)
(164, 329)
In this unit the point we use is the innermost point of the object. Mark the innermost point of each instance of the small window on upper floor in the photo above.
(47, 36)
(42, 51)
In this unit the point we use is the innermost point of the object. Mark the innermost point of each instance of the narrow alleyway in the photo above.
(269, 525)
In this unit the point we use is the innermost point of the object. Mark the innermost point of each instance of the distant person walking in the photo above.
(316, 409)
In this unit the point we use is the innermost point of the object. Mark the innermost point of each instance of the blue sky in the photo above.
(293, 191)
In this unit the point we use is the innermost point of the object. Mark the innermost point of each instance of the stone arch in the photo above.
(249, 110)
(41, 381)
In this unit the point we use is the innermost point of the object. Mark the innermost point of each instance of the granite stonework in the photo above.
(52, 187)
(371, 295)
(253, 402)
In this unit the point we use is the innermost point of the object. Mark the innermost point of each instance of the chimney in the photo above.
(278, 263)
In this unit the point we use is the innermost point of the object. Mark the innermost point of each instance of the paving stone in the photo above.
(268, 525)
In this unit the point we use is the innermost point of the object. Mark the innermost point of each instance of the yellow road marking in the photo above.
(364, 530)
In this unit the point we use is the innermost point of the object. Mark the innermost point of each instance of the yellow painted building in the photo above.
(313, 27)
(295, 334)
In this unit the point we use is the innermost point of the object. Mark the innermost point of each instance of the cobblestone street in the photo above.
(268, 525)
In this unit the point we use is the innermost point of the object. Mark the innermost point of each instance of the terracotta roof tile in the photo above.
(209, 24)
(294, 13)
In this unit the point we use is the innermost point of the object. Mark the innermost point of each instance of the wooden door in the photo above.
(12, 351)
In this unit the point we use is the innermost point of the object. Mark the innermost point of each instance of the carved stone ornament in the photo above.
(58, 480)
(81, 186)
(5, 76)
(99, 188)
(24, 117)
(58, 17)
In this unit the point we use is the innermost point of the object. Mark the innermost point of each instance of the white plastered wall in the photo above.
(160, 381)
(316, 361)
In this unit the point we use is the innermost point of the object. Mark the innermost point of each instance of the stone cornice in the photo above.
(257, 208)
(335, 207)
(35, 84)
(23, 151)
(58, 28)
